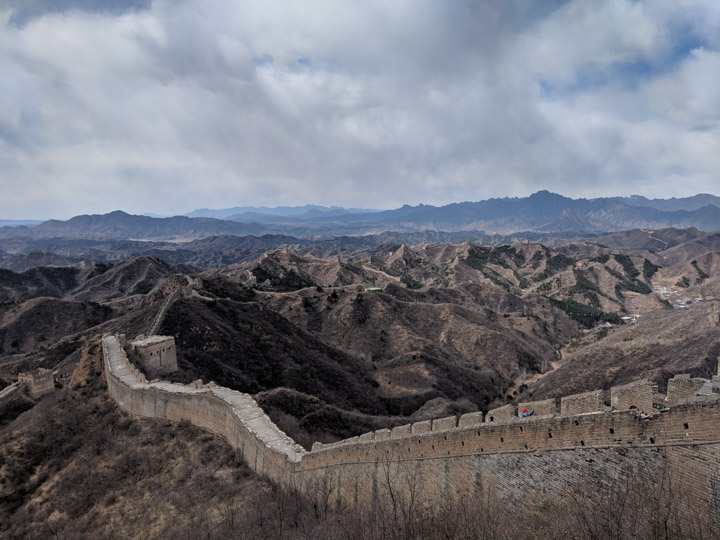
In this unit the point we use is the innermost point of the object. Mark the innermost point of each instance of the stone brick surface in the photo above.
(506, 412)
(442, 424)
(471, 419)
(587, 402)
(401, 431)
(156, 354)
(540, 459)
(40, 382)
(682, 387)
(635, 395)
(421, 427)
(547, 406)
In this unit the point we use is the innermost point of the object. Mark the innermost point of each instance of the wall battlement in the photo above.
(40, 381)
(548, 450)
(156, 354)
(234, 415)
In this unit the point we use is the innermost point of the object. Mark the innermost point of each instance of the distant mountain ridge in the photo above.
(685, 203)
(309, 209)
(541, 212)
(120, 224)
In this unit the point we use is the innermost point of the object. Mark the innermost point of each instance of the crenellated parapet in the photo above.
(40, 381)
(640, 396)
(229, 413)
(563, 443)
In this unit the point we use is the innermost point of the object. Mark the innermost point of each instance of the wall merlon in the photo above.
(505, 412)
(587, 402)
(635, 395)
(444, 424)
(401, 431)
(514, 456)
(471, 419)
(682, 387)
(546, 406)
(425, 426)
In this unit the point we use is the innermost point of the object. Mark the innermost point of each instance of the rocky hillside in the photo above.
(331, 347)
(336, 346)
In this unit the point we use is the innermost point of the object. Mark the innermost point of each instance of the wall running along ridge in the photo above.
(7, 393)
(157, 321)
(535, 460)
(234, 415)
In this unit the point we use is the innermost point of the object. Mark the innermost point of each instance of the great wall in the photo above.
(540, 458)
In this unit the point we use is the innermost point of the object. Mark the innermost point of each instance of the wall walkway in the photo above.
(7, 393)
(536, 459)
(157, 321)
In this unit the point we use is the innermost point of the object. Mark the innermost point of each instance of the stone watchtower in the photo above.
(156, 355)
(41, 381)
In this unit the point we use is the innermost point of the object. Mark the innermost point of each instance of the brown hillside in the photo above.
(661, 344)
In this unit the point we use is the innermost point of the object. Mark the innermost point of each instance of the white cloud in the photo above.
(209, 103)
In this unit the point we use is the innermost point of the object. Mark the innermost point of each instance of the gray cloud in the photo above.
(24, 11)
(169, 106)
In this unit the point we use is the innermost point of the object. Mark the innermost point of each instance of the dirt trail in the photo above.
(535, 378)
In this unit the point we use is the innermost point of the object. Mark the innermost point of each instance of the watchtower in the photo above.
(40, 382)
(156, 355)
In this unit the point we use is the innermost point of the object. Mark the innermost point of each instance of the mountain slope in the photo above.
(541, 211)
(122, 225)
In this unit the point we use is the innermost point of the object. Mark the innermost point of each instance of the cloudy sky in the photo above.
(165, 106)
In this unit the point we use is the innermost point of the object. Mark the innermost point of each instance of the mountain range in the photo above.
(542, 212)
(239, 213)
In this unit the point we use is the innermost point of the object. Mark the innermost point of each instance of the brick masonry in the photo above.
(156, 355)
(40, 382)
(523, 460)
(635, 395)
(682, 387)
(587, 402)
(501, 413)
(547, 406)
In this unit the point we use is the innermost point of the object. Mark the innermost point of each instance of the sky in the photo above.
(166, 106)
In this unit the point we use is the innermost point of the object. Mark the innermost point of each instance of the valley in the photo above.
(333, 345)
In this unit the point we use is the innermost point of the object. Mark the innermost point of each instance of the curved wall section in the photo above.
(525, 461)
(234, 415)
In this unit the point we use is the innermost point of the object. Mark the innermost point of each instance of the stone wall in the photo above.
(635, 395)
(682, 387)
(9, 392)
(525, 461)
(157, 321)
(506, 412)
(547, 406)
(236, 416)
(40, 382)
(587, 402)
(156, 355)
